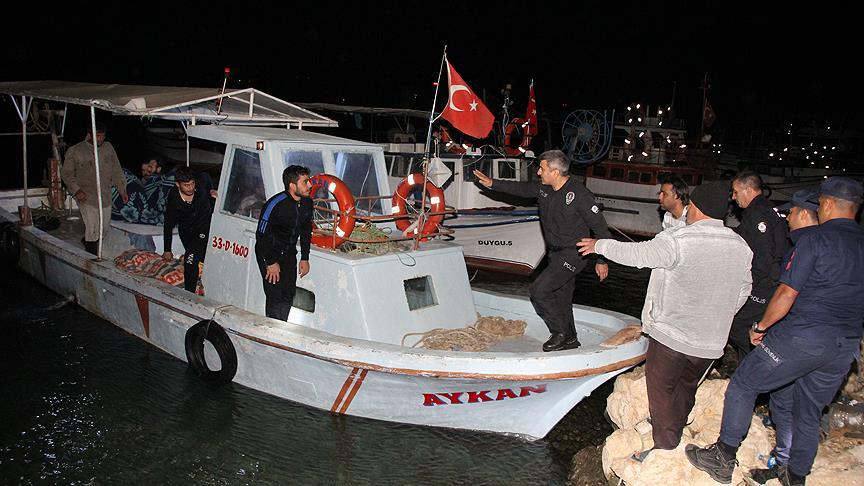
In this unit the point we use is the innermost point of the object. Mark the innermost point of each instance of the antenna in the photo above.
(224, 83)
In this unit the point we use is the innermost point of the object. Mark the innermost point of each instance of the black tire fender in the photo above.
(209, 330)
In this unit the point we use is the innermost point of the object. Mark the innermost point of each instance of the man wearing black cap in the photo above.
(767, 236)
(804, 359)
(700, 278)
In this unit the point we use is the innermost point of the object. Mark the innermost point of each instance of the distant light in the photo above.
(627, 141)
(522, 150)
(660, 123)
(668, 108)
(824, 177)
(829, 127)
(644, 154)
(641, 134)
(629, 120)
(785, 149)
(812, 163)
(629, 109)
(227, 70)
(683, 145)
(629, 158)
(827, 167)
(639, 119)
(259, 145)
(824, 147)
(659, 111)
(638, 106)
(771, 154)
(833, 148)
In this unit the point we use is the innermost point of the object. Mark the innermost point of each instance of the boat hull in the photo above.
(475, 391)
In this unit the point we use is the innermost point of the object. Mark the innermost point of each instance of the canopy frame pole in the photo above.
(23, 114)
(98, 178)
(186, 131)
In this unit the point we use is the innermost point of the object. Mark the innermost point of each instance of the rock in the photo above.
(586, 468)
(620, 445)
(627, 405)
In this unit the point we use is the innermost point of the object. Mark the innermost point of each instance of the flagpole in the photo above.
(432, 117)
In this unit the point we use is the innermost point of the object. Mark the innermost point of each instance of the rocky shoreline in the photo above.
(840, 459)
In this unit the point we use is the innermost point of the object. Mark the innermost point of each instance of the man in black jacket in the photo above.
(767, 235)
(567, 214)
(285, 219)
(189, 208)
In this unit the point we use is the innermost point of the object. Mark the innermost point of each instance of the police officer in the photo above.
(767, 236)
(804, 358)
(567, 214)
(285, 219)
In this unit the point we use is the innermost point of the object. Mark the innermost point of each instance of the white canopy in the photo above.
(243, 106)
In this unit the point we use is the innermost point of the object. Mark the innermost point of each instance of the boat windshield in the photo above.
(357, 170)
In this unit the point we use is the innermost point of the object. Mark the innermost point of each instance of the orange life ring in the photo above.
(347, 211)
(400, 207)
(517, 135)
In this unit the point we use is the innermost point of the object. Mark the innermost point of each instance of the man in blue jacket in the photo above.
(285, 219)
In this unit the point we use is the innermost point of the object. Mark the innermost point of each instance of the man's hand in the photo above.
(586, 247)
(303, 268)
(483, 179)
(273, 273)
(214, 193)
(167, 256)
(124, 196)
(80, 196)
(602, 270)
(756, 338)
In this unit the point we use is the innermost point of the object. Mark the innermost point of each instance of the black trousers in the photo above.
(752, 311)
(671, 378)
(196, 247)
(552, 290)
(280, 297)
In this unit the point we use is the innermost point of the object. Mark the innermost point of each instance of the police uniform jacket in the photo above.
(566, 215)
(767, 235)
(283, 222)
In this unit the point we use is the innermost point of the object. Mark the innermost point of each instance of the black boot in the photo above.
(92, 247)
(712, 460)
(560, 342)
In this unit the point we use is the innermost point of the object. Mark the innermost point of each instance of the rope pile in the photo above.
(378, 241)
(480, 336)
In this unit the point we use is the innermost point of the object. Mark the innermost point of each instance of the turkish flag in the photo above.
(531, 113)
(464, 109)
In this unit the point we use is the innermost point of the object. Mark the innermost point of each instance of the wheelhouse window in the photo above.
(616, 173)
(304, 300)
(507, 170)
(357, 170)
(598, 171)
(468, 167)
(645, 178)
(632, 176)
(400, 165)
(420, 293)
(244, 194)
(312, 160)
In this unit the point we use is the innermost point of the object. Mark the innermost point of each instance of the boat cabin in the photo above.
(348, 294)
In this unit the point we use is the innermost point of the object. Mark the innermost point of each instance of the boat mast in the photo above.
(705, 87)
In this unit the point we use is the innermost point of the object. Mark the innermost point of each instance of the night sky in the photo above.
(765, 65)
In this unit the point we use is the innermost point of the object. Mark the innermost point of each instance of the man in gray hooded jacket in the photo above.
(700, 278)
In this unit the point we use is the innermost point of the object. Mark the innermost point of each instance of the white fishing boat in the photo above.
(497, 232)
(348, 344)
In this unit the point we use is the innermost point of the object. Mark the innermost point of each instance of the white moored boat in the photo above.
(342, 348)
(497, 232)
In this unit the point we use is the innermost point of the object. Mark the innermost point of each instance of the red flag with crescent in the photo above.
(464, 109)
(531, 113)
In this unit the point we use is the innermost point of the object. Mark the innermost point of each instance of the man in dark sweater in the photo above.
(567, 214)
(285, 219)
(189, 208)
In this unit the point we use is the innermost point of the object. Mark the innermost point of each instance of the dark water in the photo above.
(84, 402)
